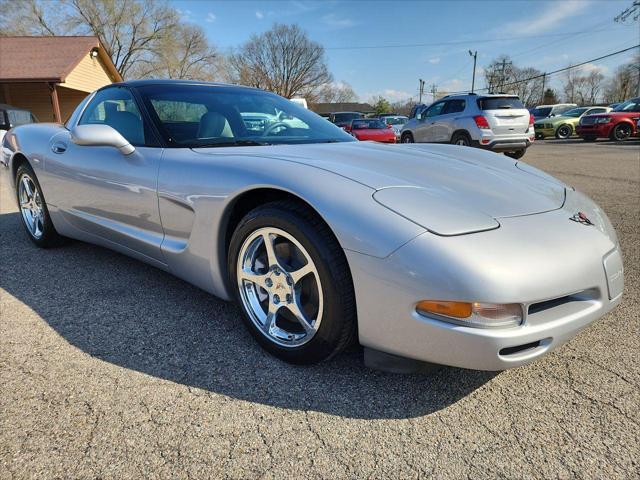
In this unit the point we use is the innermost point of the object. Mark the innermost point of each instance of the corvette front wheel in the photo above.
(33, 209)
(293, 283)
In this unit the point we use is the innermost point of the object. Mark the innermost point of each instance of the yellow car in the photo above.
(564, 126)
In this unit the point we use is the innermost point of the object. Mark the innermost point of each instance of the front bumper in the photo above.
(602, 130)
(553, 267)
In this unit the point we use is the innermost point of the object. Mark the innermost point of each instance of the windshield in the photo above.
(575, 112)
(367, 123)
(629, 106)
(346, 117)
(206, 115)
(396, 120)
(541, 112)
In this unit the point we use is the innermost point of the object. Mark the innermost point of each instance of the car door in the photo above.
(443, 126)
(103, 192)
(425, 129)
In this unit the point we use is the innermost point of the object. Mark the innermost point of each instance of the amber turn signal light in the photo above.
(449, 309)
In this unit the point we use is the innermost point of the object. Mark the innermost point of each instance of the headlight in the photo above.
(476, 314)
(602, 120)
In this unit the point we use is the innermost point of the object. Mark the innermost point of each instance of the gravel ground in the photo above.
(112, 369)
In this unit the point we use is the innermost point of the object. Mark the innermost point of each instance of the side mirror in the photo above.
(101, 136)
(418, 116)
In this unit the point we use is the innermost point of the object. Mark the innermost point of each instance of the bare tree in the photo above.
(582, 89)
(283, 60)
(625, 82)
(185, 53)
(336, 92)
(133, 32)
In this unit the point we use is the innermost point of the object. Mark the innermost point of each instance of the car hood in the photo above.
(473, 179)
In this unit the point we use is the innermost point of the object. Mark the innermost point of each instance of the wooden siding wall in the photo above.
(89, 75)
(36, 97)
(31, 96)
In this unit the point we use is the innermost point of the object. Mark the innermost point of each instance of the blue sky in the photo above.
(485, 26)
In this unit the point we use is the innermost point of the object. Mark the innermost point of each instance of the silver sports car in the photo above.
(434, 253)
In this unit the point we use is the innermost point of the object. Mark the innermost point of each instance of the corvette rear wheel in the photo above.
(563, 132)
(33, 209)
(621, 132)
(292, 281)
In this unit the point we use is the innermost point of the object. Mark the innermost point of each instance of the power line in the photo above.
(557, 71)
(461, 42)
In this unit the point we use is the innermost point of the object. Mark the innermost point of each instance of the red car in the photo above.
(371, 129)
(618, 124)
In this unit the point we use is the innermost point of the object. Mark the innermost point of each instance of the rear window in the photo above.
(499, 103)
(346, 117)
(367, 123)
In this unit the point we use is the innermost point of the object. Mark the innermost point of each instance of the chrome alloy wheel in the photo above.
(280, 287)
(31, 206)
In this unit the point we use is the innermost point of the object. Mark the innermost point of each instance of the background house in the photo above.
(51, 75)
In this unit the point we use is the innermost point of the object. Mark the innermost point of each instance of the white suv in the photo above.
(494, 122)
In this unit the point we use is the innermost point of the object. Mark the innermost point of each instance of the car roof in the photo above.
(166, 81)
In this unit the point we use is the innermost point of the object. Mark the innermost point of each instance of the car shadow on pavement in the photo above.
(137, 317)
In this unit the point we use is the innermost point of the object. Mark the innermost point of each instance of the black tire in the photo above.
(48, 237)
(589, 138)
(338, 326)
(621, 132)
(564, 131)
(407, 137)
(461, 138)
(517, 154)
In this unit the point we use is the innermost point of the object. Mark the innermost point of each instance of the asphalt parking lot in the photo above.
(110, 368)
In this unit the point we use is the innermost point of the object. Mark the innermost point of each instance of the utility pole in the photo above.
(434, 91)
(502, 79)
(422, 82)
(473, 78)
(544, 79)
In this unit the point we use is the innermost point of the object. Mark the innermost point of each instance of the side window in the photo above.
(434, 110)
(454, 106)
(186, 120)
(116, 107)
(596, 110)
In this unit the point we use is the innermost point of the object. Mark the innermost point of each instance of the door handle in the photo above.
(59, 147)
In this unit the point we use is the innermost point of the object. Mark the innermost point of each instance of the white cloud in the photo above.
(184, 14)
(335, 21)
(551, 16)
(259, 15)
(211, 17)
(390, 94)
(592, 67)
(434, 60)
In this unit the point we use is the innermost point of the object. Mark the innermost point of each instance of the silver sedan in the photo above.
(433, 253)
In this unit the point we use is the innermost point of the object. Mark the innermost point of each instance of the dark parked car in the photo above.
(343, 119)
(12, 117)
